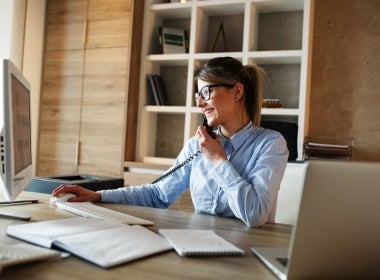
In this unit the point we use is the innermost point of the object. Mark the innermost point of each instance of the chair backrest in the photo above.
(290, 193)
(290, 132)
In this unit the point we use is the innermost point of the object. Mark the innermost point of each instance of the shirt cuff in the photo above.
(225, 174)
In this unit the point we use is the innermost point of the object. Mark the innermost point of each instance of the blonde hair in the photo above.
(228, 70)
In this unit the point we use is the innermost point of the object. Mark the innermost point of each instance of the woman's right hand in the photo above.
(211, 148)
(81, 193)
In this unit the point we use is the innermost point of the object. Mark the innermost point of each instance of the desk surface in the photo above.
(167, 265)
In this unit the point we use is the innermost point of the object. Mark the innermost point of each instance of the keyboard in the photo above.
(88, 209)
(23, 252)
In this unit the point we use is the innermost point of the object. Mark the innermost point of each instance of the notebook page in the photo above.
(45, 232)
(111, 247)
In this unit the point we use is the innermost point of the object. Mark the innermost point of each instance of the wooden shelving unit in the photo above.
(273, 34)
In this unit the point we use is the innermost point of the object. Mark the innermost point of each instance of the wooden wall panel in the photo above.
(109, 23)
(65, 24)
(66, 11)
(85, 87)
(103, 112)
(60, 112)
(345, 83)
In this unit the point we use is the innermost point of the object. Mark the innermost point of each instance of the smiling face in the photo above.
(236, 93)
(225, 108)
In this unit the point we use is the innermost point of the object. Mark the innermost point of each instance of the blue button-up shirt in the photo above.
(245, 186)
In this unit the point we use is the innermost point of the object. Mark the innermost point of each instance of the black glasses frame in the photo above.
(205, 92)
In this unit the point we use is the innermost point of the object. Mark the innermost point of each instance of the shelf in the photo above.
(207, 56)
(265, 57)
(269, 33)
(169, 59)
(158, 160)
(278, 5)
(172, 109)
(276, 57)
(165, 109)
(172, 10)
(159, 168)
(280, 112)
(222, 8)
(264, 111)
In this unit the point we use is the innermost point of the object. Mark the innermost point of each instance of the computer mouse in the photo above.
(62, 198)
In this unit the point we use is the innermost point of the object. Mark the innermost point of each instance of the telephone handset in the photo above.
(171, 171)
(209, 129)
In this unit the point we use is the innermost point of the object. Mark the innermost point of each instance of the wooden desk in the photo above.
(167, 265)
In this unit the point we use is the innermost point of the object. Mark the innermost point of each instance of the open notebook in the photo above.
(101, 242)
(337, 232)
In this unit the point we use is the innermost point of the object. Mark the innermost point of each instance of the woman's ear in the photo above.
(239, 91)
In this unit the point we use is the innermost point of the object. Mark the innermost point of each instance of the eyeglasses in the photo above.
(205, 92)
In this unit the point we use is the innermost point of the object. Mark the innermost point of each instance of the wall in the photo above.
(12, 33)
(32, 61)
(22, 29)
(12, 15)
(345, 81)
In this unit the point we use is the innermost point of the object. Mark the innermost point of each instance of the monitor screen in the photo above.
(15, 140)
(21, 126)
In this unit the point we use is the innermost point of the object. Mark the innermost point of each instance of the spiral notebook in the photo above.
(194, 242)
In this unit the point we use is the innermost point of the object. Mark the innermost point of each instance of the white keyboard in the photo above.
(23, 252)
(88, 209)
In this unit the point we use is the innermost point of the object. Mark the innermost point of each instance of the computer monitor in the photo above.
(16, 167)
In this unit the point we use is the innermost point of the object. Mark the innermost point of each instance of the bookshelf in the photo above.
(271, 33)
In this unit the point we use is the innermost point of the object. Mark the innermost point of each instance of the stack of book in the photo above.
(271, 103)
(156, 90)
(325, 150)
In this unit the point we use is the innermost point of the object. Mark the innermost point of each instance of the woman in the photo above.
(237, 174)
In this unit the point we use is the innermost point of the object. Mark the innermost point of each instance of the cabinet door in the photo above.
(103, 112)
(84, 91)
(101, 138)
(60, 112)
(62, 83)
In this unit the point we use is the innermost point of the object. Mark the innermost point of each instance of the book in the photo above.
(194, 242)
(100, 242)
(315, 150)
(157, 93)
(333, 146)
(152, 91)
(161, 90)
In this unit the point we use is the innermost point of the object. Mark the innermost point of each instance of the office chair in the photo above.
(289, 131)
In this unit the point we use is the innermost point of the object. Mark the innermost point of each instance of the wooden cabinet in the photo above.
(84, 87)
(273, 34)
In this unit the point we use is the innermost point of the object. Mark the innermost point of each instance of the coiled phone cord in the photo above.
(171, 171)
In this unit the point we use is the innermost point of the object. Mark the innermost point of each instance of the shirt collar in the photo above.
(239, 137)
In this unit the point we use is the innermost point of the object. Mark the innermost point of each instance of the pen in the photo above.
(19, 201)
(9, 216)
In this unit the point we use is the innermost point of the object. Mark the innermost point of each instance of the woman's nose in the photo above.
(200, 102)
